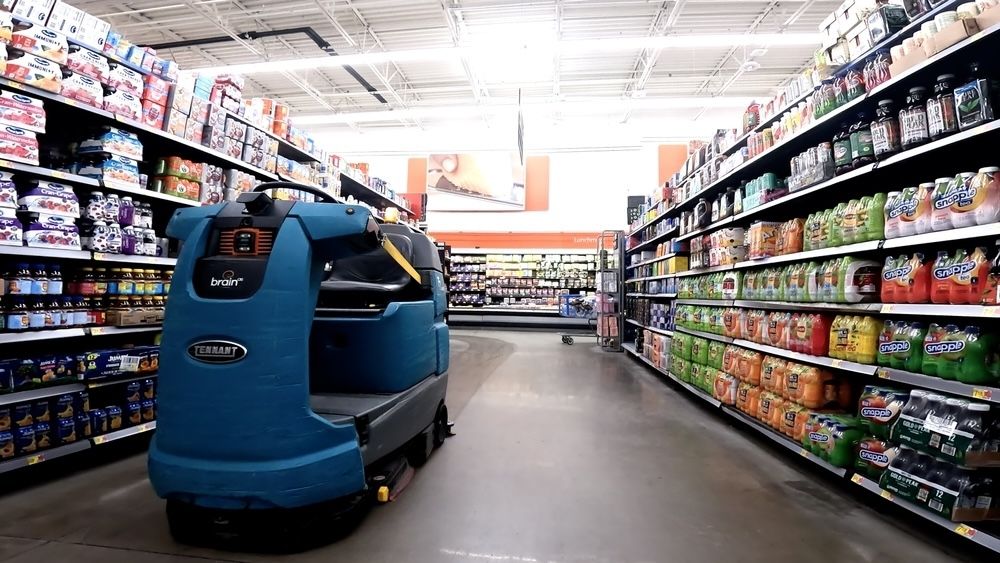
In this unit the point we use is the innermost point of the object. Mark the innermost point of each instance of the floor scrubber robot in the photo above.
(304, 360)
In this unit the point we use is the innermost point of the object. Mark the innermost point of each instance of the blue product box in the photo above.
(114, 417)
(43, 435)
(24, 373)
(83, 425)
(113, 169)
(148, 389)
(82, 402)
(98, 421)
(6, 377)
(133, 413)
(66, 431)
(24, 440)
(41, 411)
(132, 391)
(6, 444)
(53, 368)
(115, 363)
(22, 415)
(65, 406)
(148, 410)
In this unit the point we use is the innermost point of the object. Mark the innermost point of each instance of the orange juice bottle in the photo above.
(866, 338)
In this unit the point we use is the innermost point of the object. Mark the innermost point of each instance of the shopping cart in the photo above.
(578, 307)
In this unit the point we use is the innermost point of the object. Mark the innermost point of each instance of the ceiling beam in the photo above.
(663, 21)
(456, 25)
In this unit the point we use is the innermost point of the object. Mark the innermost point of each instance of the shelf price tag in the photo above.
(5, 163)
(991, 311)
(97, 331)
(984, 394)
(964, 530)
(837, 363)
(883, 373)
(886, 494)
(803, 452)
(856, 479)
(98, 440)
(37, 458)
(888, 308)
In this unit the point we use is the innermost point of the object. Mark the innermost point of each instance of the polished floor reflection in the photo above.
(564, 454)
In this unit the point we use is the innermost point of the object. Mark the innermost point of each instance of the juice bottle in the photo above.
(921, 216)
(940, 290)
(814, 282)
(907, 208)
(849, 222)
(794, 236)
(941, 202)
(858, 280)
(840, 332)
(867, 340)
(873, 217)
(817, 334)
(936, 343)
(853, 338)
(980, 282)
(954, 350)
(908, 347)
(891, 213)
(987, 186)
(965, 279)
(980, 350)
(890, 271)
(835, 225)
(917, 279)
(831, 277)
(885, 346)
(965, 199)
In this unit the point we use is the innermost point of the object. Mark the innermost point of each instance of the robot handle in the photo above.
(319, 193)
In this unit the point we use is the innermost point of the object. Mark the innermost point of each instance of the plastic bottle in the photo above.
(814, 282)
(942, 117)
(964, 281)
(987, 186)
(842, 157)
(979, 350)
(891, 213)
(849, 222)
(39, 280)
(941, 203)
(872, 217)
(831, 279)
(944, 349)
(921, 215)
(834, 228)
(916, 279)
(965, 198)
(862, 151)
(979, 286)
(890, 270)
(838, 337)
(55, 280)
(913, 119)
(867, 340)
(885, 131)
(885, 346)
(940, 289)
(909, 357)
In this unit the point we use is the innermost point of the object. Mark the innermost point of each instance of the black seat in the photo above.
(373, 271)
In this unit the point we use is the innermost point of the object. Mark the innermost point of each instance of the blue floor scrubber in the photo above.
(303, 369)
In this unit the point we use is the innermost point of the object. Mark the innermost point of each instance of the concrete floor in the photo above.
(564, 454)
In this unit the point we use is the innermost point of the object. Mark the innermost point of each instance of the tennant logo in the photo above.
(229, 279)
(217, 351)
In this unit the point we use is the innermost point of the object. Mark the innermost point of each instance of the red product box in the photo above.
(156, 90)
(82, 88)
(22, 111)
(153, 114)
(18, 145)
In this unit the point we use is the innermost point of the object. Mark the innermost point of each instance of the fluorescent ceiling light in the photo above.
(597, 106)
(541, 50)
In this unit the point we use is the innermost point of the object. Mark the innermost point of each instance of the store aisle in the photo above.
(564, 454)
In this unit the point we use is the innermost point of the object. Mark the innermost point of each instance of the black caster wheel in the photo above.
(567, 340)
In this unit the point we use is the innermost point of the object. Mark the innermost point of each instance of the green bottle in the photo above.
(835, 226)
(885, 344)
(874, 219)
(699, 351)
(944, 350)
(913, 357)
(980, 350)
(845, 439)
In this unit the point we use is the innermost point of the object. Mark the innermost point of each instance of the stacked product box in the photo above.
(178, 177)
(111, 155)
(40, 424)
(48, 213)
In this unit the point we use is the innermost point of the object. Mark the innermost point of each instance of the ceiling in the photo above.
(630, 81)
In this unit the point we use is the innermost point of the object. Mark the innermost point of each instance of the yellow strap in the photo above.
(398, 257)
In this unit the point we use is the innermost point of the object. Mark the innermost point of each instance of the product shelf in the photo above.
(634, 322)
(965, 530)
(932, 310)
(653, 261)
(652, 295)
(650, 278)
(708, 335)
(45, 252)
(810, 254)
(44, 455)
(350, 186)
(808, 358)
(41, 172)
(113, 330)
(648, 223)
(706, 229)
(124, 433)
(791, 196)
(653, 241)
(108, 382)
(133, 259)
(19, 337)
(691, 388)
(699, 271)
(783, 440)
(708, 302)
(795, 306)
(850, 107)
(981, 392)
(138, 127)
(141, 192)
(965, 233)
(41, 393)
